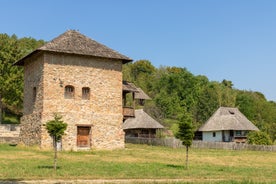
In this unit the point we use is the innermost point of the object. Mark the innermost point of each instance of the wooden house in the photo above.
(227, 125)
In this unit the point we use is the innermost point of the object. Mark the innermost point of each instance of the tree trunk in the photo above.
(55, 157)
(187, 150)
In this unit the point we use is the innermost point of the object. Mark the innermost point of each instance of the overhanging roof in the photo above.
(141, 121)
(73, 42)
(226, 118)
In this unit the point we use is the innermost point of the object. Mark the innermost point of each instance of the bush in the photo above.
(259, 138)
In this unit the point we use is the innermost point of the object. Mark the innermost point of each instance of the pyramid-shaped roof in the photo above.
(141, 120)
(227, 118)
(73, 42)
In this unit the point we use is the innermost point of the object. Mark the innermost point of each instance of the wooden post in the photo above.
(124, 99)
(133, 103)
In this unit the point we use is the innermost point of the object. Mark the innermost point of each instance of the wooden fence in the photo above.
(176, 143)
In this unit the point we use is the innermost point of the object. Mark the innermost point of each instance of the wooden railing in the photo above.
(128, 112)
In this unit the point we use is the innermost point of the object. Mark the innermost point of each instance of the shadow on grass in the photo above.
(47, 167)
(176, 166)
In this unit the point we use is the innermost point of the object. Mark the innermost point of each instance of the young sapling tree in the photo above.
(56, 128)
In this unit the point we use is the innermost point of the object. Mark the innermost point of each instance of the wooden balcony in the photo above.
(128, 112)
(240, 139)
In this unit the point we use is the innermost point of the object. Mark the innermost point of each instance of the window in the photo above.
(214, 134)
(69, 92)
(34, 94)
(85, 93)
(238, 133)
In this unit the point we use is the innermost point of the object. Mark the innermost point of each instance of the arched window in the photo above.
(85, 93)
(69, 92)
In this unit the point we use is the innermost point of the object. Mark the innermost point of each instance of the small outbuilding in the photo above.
(227, 125)
(142, 125)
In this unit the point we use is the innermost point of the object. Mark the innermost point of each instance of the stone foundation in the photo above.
(30, 131)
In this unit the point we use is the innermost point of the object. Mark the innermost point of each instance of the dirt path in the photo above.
(103, 181)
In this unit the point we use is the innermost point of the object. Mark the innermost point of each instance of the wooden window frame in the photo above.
(69, 92)
(86, 93)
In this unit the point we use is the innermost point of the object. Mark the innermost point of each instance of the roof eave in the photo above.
(22, 60)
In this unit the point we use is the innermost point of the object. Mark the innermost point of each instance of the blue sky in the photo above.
(222, 39)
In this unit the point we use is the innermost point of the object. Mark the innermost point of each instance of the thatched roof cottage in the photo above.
(227, 124)
(142, 125)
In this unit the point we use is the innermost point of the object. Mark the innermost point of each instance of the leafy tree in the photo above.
(11, 77)
(56, 128)
(141, 67)
(259, 138)
(140, 73)
(186, 133)
(207, 102)
(227, 83)
(9, 74)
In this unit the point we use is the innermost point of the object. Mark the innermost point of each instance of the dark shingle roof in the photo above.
(141, 120)
(138, 92)
(141, 95)
(73, 42)
(129, 87)
(226, 118)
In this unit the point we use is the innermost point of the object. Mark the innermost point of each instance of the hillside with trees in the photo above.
(175, 91)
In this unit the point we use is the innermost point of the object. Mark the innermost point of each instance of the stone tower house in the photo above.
(81, 80)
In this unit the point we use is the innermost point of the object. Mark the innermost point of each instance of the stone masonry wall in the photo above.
(30, 130)
(30, 123)
(33, 78)
(103, 111)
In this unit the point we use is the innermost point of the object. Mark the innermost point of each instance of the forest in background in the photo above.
(175, 92)
(11, 77)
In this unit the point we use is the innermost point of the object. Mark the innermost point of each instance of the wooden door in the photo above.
(83, 137)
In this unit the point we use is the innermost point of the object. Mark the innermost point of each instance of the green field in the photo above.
(140, 162)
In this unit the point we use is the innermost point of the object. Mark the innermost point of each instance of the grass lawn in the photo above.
(140, 162)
